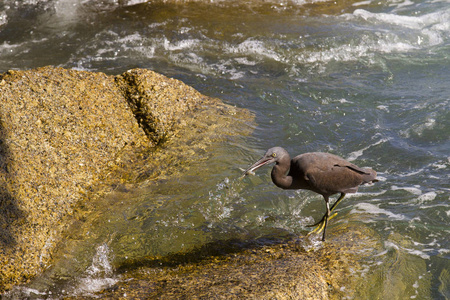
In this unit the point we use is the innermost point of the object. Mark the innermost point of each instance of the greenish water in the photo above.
(365, 80)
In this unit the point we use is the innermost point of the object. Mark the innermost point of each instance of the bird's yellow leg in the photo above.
(320, 226)
(337, 201)
(332, 216)
(321, 222)
(331, 209)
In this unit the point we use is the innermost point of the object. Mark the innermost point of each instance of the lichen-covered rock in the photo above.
(61, 131)
(295, 269)
(157, 101)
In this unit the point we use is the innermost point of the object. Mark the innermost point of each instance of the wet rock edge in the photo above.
(68, 136)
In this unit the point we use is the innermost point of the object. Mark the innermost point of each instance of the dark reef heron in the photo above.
(323, 173)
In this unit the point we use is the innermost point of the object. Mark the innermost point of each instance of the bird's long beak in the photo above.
(262, 162)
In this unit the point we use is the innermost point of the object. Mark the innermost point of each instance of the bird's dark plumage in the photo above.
(323, 173)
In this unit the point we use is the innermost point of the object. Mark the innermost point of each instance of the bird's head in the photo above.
(272, 155)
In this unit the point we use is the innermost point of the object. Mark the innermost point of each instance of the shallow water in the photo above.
(365, 80)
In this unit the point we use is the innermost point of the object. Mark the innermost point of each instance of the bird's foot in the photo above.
(322, 221)
(321, 224)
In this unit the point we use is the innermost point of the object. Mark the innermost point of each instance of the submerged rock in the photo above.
(295, 269)
(346, 266)
(64, 131)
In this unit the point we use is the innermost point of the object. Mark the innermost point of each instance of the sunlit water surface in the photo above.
(365, 80)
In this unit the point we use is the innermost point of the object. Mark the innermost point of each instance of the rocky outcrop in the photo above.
(61, 132)
(157, 102)
(295, 269)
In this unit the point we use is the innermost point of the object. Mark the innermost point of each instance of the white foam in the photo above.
(427, 197)
(365, 195)
(375, 210)
(7, 48)
(355, 154)
(433, 27)
(99, 275)
(181, 45)
(255, 47)
(23, 291)
(430, 244)
(443, 251)
(413, 173)
(403, 4)
(223, 68)
(383, 107)
(366, 47)
(413, 190)
(133, 2)
(413, 33)
(404, 21)
(3, 18)
(245, 61)
(221, 202)
(429, 124)
(303, 2)
(439, 166)
(420, 253)
(67, 9)
(381, 178)
(435, 206)
(361, 3)
(131, 38)
(88, 286)
(389, 244)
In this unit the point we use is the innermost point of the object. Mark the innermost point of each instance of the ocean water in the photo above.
(366, 80)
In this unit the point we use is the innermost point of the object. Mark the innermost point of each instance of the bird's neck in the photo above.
(279, 174)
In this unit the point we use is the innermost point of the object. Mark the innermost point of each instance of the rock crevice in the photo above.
(60, 132)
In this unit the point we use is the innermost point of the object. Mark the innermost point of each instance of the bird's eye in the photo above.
(274, 154)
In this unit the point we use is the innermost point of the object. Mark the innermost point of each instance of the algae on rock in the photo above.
(157, 101)
(63, 131)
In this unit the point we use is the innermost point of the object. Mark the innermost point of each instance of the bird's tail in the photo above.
(369, 176)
